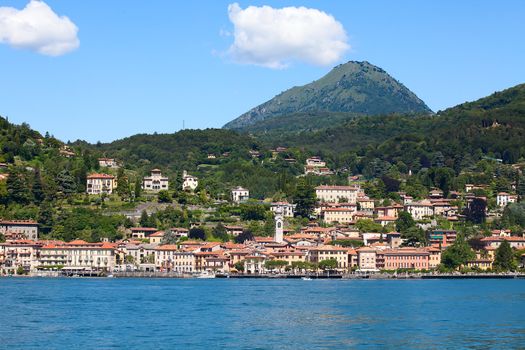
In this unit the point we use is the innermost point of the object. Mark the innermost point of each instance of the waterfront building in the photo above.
(402, 258)
(366, 258)
(170, 259)
(326, 252)
(79, 255)
(21, 253)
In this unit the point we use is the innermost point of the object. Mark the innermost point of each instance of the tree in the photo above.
(37, 188)
(164, 197)
(504, 259)
(404, 222)
(129, 259)
(197, 233)
(239, 266)
(138, 188)
(219, 232)
(246, 235)
(328, 264)
(122, 189)
(368, 225)
(391, 184)
(66, 182)
(146, 220)
(304, 198)
(275, 264)
(18, 189)
(476, 210)
(253, 212)
(413, 237)
(520, 188)
(457, 254)
(2, 238)
(169, 237)
(45, 216)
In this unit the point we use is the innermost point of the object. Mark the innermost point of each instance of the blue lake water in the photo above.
(261, 314)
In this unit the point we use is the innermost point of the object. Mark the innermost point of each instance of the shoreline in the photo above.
(285, 276)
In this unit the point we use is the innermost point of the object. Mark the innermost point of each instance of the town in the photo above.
(340, 230)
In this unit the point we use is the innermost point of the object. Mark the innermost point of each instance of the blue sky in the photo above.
(139, 68)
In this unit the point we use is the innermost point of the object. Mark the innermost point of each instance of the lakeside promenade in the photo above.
(347, 276)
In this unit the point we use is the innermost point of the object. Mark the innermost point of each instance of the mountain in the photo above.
(359, 88)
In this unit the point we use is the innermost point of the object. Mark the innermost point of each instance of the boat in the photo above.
(205, 275)
(306, 278)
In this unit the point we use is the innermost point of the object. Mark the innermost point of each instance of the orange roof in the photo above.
(157, 234)
(167, 247)
(78, 242)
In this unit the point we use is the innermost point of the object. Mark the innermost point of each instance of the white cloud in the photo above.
(276, 37)
(38, 28)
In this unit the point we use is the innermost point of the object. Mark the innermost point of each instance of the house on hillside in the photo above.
(100, 183)
(189, 182)
(240, 194)
(155, 182)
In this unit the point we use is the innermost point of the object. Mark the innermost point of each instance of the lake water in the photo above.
(261, 314)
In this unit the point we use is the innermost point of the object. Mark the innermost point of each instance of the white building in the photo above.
(286, 208)
(316, 166)
(504, 198)
(420, 210)
(169, 258)
(155, 182)
(340, 215)
(240, 194)
(27, 228)
(366, 258)
(79, 255)
(22, 253)
(334, 194)
(107, 163)
(100, 183)
(189, 182)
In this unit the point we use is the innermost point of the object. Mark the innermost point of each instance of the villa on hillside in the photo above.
(100, 183)
(240, 194)
(189, 182)
(347, 194)
(155, 182)
(107, 163)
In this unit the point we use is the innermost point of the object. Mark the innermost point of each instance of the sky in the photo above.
(102, 70)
